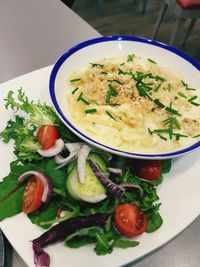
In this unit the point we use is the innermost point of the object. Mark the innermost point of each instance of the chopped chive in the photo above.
(195, 104)
(108, 96)
(113, 90)
(192, 89)
(182, 135)
(168, 120)
(96, 65)
(173, 111)
(157, 87)
(142, 90)
(170, 131)
(169, 87)
(130, 58)
(186, 86)
(161, 131)
(148, 84)
(152, 61)
(90, 110)
(80, 98)
(121, 72)
(74, 91)
(75, 80)
(158, 78)
(179, 135)
(148, 96)
(110, 115)
(115, 104)
(95, 102)
(173, 121)
(122, 64)
(176, 122)
(158, 103)
(192, 98)
(104, 72)
(183, 83)
(162, 137)
(198, 135)
(117, 81)
(182, 95)
(150, 132)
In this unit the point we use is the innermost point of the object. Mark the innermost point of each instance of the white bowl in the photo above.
(77, 57)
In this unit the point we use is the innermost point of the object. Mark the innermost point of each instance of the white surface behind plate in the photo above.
(180, 197)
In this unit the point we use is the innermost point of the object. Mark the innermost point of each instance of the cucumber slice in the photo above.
(92, 190)
(99, 160)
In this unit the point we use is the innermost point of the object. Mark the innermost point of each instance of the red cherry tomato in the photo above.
(32, 195)
(130, 220)
(47, 136)
(148, 169)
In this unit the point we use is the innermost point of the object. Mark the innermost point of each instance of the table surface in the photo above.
(33, 35)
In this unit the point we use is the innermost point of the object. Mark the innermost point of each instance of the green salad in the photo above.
(77, 193)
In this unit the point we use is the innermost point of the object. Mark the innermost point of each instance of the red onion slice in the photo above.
(82, 157)
(52, 151)
(41, 258)
(48, 188)
(111, 187)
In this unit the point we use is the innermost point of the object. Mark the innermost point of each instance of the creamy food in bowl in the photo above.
(130, 96)
(132, 103)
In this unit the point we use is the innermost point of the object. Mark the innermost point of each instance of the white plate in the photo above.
(179, 194)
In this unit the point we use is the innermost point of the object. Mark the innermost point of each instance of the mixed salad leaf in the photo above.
(95, 220)
(29, 116)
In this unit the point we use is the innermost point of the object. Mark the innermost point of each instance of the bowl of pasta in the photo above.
(129, 96)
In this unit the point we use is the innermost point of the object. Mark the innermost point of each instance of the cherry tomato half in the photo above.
(148, 169)
(130, 220)
(47, 136)
(32, 195)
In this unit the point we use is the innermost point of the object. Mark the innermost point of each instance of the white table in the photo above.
(33, 35)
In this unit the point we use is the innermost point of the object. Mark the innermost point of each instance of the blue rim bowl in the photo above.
(94, 41)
